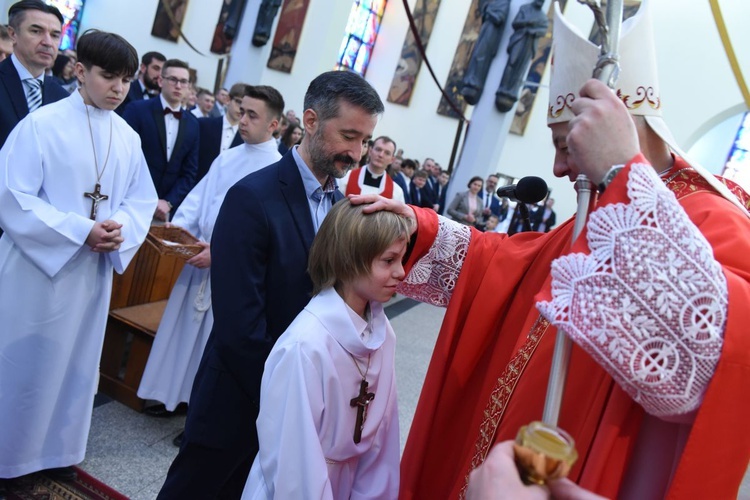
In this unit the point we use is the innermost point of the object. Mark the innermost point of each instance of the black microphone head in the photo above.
(531, 189)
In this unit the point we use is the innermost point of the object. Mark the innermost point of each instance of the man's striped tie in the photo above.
(34, 95)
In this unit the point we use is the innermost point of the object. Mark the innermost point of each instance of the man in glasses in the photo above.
(169, 138)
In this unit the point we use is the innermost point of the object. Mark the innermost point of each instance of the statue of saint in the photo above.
(266, 12)
(529, 25)
(494, 14)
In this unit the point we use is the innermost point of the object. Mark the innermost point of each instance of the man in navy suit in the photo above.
(169, 138)
(399, 178)
(220, 133)
(259, 252)
(146, 86)
(35, 29)
(442, 191)
(490, 201)
(420, 194)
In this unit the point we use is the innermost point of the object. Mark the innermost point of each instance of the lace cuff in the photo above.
(649, 303)
(434, 276)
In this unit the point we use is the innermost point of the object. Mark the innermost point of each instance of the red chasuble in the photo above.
(488, 374)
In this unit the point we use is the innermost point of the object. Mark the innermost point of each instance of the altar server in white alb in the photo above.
(188, 317)
(76, 201)
(328, 423)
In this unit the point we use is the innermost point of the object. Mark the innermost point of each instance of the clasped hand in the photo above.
(105, 236)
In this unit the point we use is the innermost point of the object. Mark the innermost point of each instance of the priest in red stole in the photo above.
(655, 294)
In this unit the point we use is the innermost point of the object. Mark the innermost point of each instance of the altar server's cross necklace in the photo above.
(96, 195)
(362, 400)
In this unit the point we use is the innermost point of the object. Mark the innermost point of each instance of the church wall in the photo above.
(698, 91)
(133, 19)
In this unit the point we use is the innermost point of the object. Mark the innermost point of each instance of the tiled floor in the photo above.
(132, 452)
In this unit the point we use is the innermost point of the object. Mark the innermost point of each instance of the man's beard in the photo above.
(149, 83)
(323, 161)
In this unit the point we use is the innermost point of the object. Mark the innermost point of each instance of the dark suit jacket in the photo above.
(134, 94)
(399, 179)
(210, 131)
(494, 203)
(539, 218)
(175, 178)
(13, 105)
(424, 199)
(441, 194)
(259, 252)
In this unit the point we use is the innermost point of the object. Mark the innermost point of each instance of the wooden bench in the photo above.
(127, 344)
(139, 297)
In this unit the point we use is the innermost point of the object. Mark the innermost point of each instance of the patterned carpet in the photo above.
(40, 487)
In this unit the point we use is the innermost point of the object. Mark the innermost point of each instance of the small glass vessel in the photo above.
(544, 452)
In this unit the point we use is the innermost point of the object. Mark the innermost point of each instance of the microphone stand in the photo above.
(525, 220)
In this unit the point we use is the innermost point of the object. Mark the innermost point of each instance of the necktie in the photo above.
(34, 96)
(176, 114)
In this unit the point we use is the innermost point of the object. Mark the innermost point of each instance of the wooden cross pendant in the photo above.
(96, 197)
(361, 402)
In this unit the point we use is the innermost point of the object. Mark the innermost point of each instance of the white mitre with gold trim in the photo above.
(574, 58)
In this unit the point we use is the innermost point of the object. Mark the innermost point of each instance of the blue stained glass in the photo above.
(361, 31)
(71, 11)
(363, 59)
(350, 55)
(363, 16)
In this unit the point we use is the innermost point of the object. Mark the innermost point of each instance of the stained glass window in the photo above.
(361, 32)
(71, 11)
(737, 166)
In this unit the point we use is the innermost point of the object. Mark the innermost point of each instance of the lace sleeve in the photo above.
(433, 277)
(649, 303)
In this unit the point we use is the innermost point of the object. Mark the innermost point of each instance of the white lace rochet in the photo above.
(434, 276)
(649, 303)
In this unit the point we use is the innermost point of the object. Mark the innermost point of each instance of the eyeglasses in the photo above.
(177, 81)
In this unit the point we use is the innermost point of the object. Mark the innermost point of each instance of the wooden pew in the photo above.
(139, 297)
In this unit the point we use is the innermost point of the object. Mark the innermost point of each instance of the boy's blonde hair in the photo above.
(349, 240)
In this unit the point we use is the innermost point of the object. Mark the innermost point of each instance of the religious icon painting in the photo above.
(288, 32)
(460, 62)
(168, 19)
(405, 76)
(222, 42)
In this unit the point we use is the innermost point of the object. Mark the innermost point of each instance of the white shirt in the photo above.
(172, 125)
(228, 131)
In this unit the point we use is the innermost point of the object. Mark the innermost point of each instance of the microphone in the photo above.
(528, 190)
